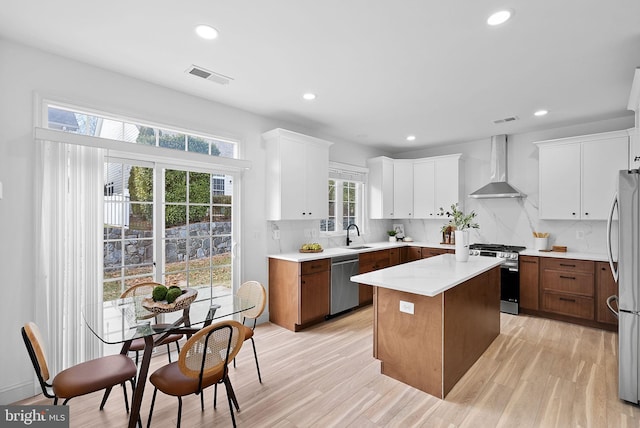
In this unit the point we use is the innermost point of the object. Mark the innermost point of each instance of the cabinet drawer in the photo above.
(564, 304)
(567, 265)
(374, 260)
(394, 256)
(314, 266)
(568, 282)
(432, 252)
(413, 253)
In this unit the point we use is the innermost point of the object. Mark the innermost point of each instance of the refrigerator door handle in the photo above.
(611, 299)
(614, 204)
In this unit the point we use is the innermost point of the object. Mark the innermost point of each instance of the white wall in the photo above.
(25, 71)
(512, 221)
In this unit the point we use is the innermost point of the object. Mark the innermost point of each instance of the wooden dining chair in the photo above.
(202, 362)
(254, 293)
(137, 345)
(94, 375)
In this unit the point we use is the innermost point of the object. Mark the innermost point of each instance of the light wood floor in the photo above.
(537, 373)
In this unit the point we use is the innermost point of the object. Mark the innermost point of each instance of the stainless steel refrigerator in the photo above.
(627, 273)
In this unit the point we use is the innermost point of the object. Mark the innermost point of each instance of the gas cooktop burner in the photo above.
(497, 247)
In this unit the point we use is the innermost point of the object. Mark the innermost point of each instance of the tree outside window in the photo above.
(344, 206)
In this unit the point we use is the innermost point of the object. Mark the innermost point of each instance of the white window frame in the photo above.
(125, 150)
(341, 173)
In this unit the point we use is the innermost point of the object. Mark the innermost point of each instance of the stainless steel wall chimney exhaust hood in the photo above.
(498, 187)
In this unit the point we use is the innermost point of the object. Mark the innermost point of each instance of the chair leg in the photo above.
(231, 392)
(104, 398)
(153, 401)
(255, 354)
(202, 400)
(215, 394)
(179, 411)
(169, 353)
(126, 399)
(137, 355)
(231, 398)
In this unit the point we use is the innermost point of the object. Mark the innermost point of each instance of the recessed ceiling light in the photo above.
(541, 112)
(309, 96)
(499, 17)
(411, 138)
(207, 32)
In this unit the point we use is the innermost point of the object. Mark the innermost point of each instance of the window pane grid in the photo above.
(77, 122)
(196, 231)
(344, 205)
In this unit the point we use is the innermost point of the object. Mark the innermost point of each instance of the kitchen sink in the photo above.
(360, 247)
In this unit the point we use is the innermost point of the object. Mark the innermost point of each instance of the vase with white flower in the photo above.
(462, 223)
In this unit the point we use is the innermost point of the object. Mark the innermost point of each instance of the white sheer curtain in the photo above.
(69, 227)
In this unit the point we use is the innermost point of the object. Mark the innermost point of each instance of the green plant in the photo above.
(159, 293)
(391, 232)
(173, 294)
(460, 220)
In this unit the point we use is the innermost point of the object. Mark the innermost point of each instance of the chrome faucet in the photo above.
(349, 227)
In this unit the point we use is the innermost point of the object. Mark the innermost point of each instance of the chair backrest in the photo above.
(37, 352)
(253, 292)
(143, 289)
(139, 290)
(209, 350)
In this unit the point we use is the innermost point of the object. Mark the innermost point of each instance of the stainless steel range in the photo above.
(509, 274)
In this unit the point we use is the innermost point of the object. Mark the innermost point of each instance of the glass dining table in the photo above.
(121, 321)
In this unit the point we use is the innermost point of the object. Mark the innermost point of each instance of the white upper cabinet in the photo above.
(437, 184)
(380, 187)
(297, 176)
(448, 180)
(559, 181)
(578, 175)
(424, 190)
(403, 188)
(413, 188)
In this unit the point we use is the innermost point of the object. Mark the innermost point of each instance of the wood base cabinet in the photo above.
(427, 252)
(529, 282)
(605, 286)
(298, 292)
(369, 262)
(567, 289)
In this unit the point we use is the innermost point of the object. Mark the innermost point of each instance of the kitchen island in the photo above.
(433, 318)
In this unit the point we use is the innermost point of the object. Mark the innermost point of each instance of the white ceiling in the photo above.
(381, 69)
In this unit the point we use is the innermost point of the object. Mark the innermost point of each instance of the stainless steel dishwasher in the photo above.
(344, 293)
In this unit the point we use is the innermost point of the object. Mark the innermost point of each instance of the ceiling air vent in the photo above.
(506, 119)
(209, 75)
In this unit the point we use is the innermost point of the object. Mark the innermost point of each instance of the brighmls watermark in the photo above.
(34, 416)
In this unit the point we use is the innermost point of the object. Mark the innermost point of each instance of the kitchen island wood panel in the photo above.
(447, 331)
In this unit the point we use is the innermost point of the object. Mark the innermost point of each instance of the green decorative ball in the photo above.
(173, 294)
(159, 293)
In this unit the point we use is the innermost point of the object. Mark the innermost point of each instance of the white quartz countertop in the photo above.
(342, 251)
(598, 257)
(428, 277)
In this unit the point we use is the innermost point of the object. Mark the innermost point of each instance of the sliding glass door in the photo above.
(168, 225)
